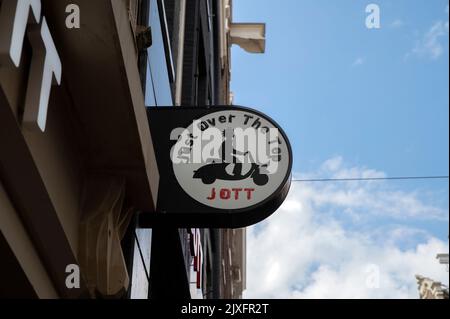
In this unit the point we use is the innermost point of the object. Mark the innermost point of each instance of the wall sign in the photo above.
(221, 166)
(195, 245)
(17, 18)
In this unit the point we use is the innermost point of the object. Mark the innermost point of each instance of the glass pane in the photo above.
(141, 264)
(157, 60)
(150, 99)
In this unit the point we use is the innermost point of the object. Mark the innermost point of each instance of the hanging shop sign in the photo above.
(17, 19)
(220, 166)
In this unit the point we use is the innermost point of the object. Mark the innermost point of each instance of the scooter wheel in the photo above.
(208, 180)
(261, 179)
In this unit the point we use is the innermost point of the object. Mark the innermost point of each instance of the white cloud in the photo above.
(433, 42)
(358, 61)
(397, 23)
(304, 251)
(333, 164)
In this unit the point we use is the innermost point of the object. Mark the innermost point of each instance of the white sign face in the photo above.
(16, 18)
(231, 159)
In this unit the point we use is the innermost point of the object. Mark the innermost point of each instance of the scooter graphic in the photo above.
(211, 172)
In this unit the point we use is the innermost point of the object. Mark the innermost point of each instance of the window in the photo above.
(136, 246)
(140, 276)
(159, 67)
(156, 68)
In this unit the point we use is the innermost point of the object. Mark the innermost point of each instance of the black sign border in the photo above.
(220, 218)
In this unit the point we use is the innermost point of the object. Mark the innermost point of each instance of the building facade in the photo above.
(431, 289)
(77, 163)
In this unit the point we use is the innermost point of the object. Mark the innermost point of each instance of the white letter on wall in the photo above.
(14, 18)
(45, 68)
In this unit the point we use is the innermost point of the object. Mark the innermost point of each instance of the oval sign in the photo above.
(236, 159)
(219, 166)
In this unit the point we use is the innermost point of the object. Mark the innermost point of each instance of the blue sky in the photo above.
(357, 101)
